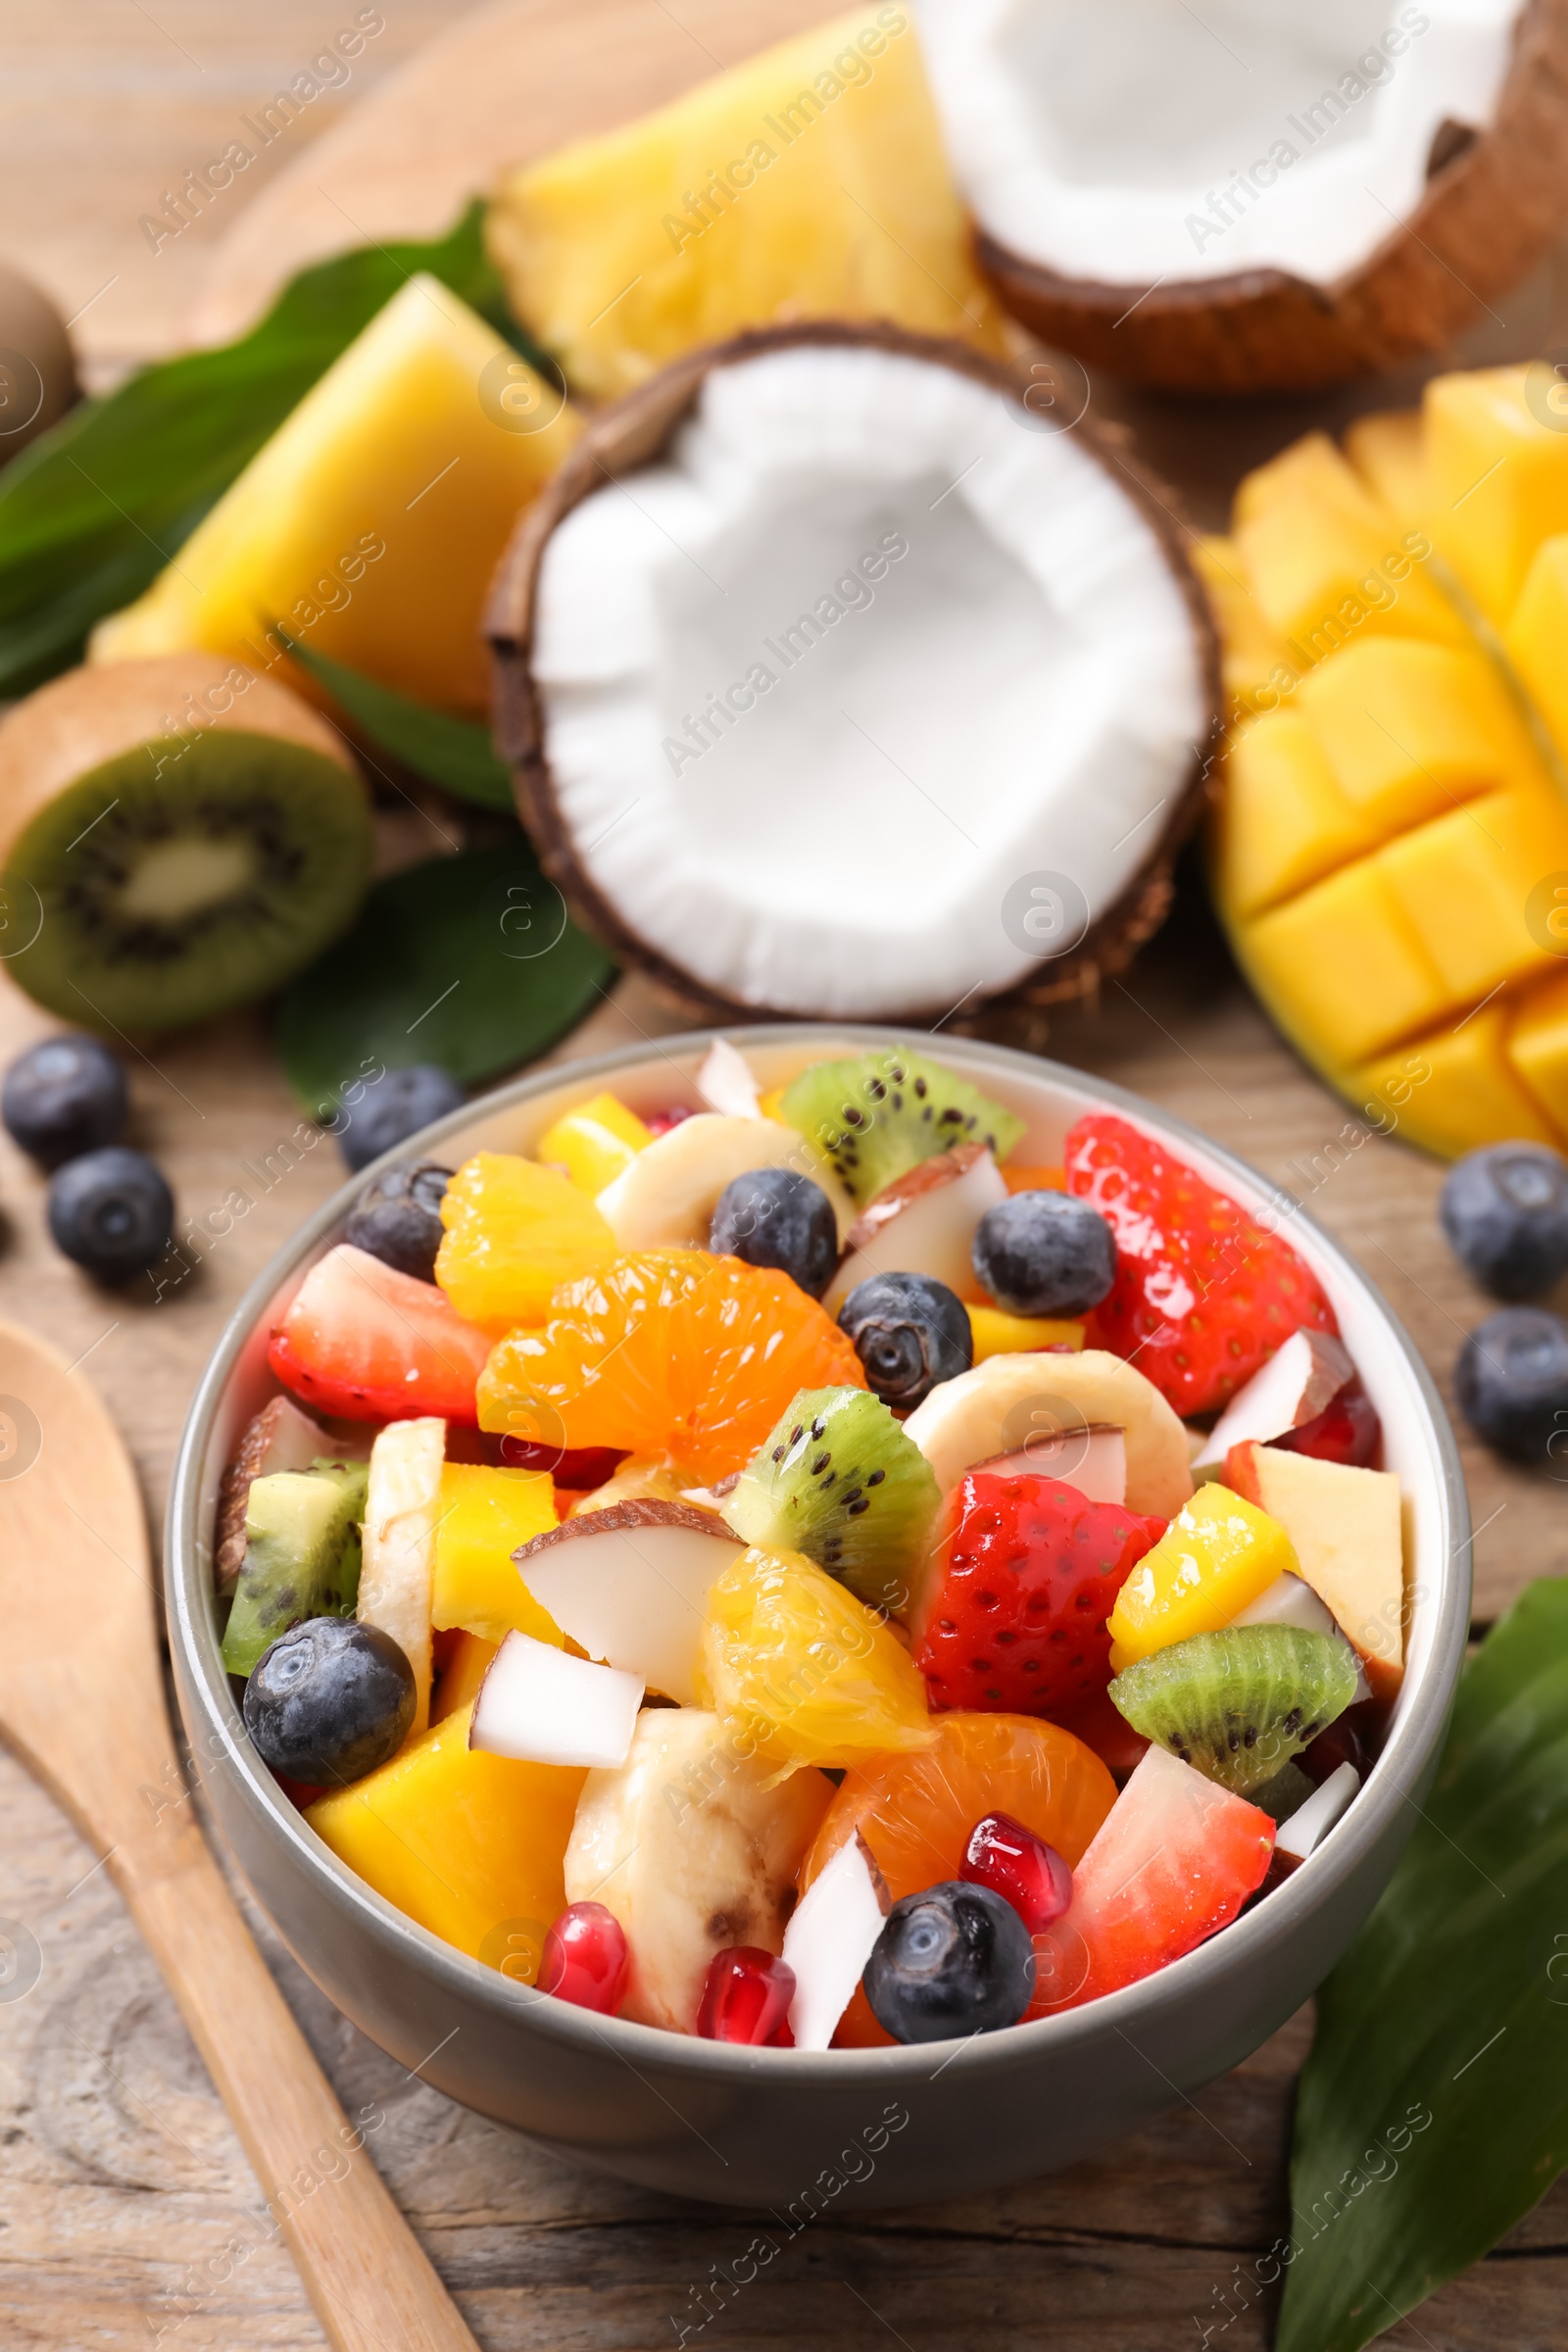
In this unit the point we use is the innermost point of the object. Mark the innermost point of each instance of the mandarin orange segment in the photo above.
(515, 1232)
(667, 1352)
(916, 1812)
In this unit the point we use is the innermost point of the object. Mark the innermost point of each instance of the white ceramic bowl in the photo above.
(760, 2127)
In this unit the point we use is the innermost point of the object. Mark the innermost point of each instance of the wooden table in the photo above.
(120, 2183)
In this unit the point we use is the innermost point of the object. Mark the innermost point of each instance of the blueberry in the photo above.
(909, 1332)
(396, 1105)
(329, 1700)
(111, 1212)
(1506, 1212)
(774, 1217)
(955, 1960)
(1045, 1254)
(1511, 1381)
(398, 1217)
(63, 1097)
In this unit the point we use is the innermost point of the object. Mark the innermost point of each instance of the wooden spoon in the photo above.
(81, 1701)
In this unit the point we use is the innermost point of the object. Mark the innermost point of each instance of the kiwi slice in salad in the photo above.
(1242, 1703)
(839, 1480)
(302, 1555)
(880, 1114)
(176, 837)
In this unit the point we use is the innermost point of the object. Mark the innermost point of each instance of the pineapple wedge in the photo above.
(808, 183)
(368, 527)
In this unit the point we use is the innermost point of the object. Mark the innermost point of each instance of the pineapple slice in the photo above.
(368, 527)
(807, 182)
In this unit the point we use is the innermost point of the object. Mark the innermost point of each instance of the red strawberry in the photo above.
(1202, 1295)
(1021, 1588)
(363, 1342)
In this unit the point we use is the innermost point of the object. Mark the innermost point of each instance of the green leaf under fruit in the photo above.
(92, 510)
(469, 962)
(1433, 2112)
(453, 753)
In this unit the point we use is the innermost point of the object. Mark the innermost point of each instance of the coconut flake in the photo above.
(829, 1940)
(725, 1082)
(539, 1706)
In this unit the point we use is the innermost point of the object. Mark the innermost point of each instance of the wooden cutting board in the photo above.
(123, 2191)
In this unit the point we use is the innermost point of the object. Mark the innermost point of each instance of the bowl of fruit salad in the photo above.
(753, 1601)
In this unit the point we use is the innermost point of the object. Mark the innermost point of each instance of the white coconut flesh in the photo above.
(1136, 141)
(860, 651)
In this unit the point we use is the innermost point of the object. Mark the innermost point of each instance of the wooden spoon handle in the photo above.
(372, 2283)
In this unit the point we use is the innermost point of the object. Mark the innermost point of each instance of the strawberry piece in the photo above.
(364, 1342)
(1174, 1860)
(1022, 1587)
(1202, 1295)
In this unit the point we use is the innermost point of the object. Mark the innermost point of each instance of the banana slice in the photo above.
(692, 1851)
(401, 1508)
(1009, 1401)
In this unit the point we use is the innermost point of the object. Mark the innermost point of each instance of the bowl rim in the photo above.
(1201, 1973)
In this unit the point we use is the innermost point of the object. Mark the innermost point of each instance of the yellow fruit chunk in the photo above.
(1498, 481)
(1284, 821)
(594, 1142)
(1327, 571)
(1409, 729)
(1314, 469)
(1538, 637)
(485, 1514)
(514, 1232)
(470, 1845)
(1457, 1088)
(1389, 452)
(1459, 882)
(458, 1683)
(1537, 1040)
(1255, 667)
(368, 527)
(1343, 968)
(998, 1334)
(807, 182)
(1217, 1554)
(806, 1673)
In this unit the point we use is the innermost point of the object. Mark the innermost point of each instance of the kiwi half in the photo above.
(839, 1480)
(880, 1114)
(1242, 1703)
(176, 837)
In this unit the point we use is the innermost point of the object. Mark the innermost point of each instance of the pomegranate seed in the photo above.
(1346, 1430)
(660, 1122)
(747, 1998)
(1015, 1863)
(585, 1959)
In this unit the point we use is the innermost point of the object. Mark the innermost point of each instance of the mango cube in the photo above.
(1284, 821)
(457, 1685)
(485, 1515)
(1218, 1555)
(1455, 1088)
(470, 1845)
(1498, 473)
(1464, 882)
(995, 1332)
(1389, 452)
(368, 527)
(1256, 666)
(1538, 1039)
(1410, 729)
(594, 1142)
(1538, 635)
(514, 1232)
(807, 182)
(1324, 577)
(1343, 968)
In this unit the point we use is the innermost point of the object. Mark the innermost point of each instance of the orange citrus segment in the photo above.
(916, 1812)
(515, 1232)
(670, 1352)
(806, 1672)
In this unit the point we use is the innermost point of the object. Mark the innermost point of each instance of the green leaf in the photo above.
(453, 753)
(1433, 2112)
(93, 510)
(469, 962)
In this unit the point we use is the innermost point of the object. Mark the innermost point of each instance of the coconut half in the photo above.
(1257, 194)
(836, 686)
